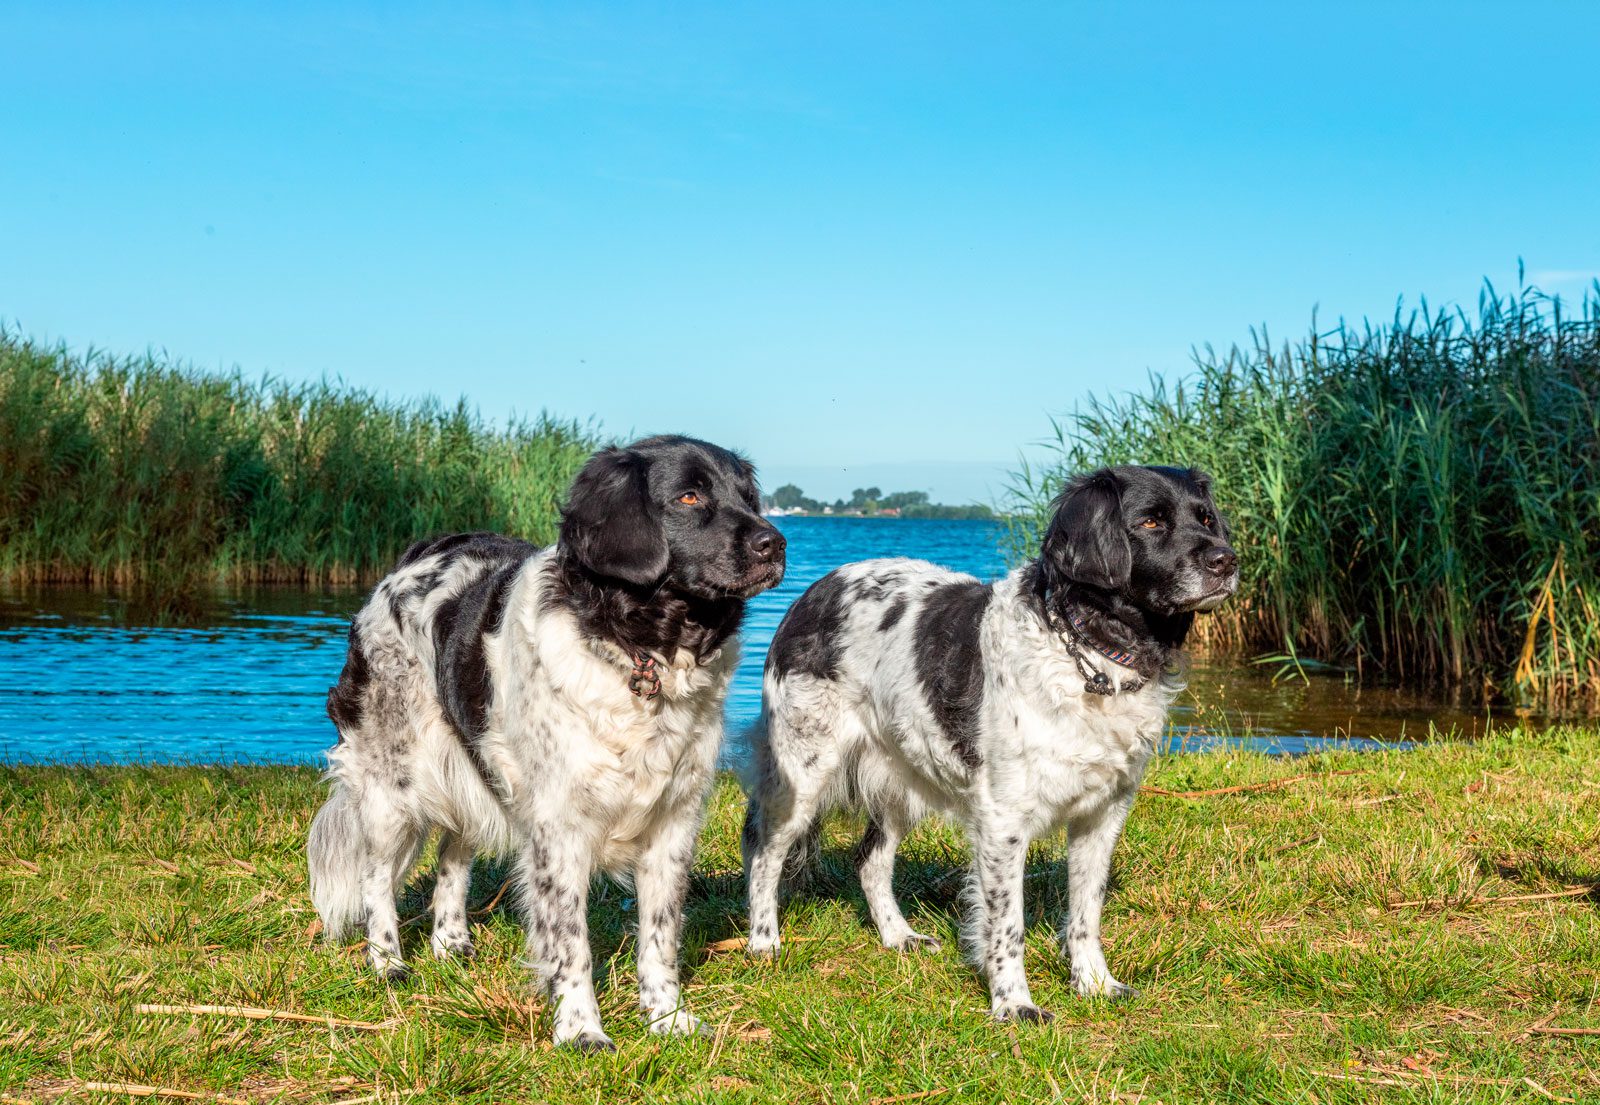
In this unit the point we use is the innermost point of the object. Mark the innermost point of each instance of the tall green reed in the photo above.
(133, 472)
(1419, 500)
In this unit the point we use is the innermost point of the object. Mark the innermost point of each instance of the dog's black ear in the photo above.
(1086, 541)
(749, 490)
(1202, 480)
(610, 523)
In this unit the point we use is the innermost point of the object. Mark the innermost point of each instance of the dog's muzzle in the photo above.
(1219, 577)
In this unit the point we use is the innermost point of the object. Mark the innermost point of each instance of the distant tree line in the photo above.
(872, 502)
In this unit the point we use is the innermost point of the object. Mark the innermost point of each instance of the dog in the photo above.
(1016, 708)
(562, 706)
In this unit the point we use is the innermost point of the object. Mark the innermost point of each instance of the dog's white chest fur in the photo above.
(1059, 750)
(575, 719)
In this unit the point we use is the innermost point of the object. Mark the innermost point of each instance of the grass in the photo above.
(138, 473)
(1418, 500)
(1266, 928)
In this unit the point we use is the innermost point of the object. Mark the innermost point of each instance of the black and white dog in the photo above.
(561, 705)
(1015, 707)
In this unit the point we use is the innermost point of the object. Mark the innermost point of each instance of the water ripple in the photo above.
(80, 684)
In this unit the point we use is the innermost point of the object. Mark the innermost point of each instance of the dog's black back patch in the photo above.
(459, 627)
(807, 641)
(347, 698)
(460, 624)
(950, 661)
(484, 546)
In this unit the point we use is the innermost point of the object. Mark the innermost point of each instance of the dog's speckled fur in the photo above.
(906, 689)
(485, 694)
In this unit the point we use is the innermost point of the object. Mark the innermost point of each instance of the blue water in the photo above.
(80, 682)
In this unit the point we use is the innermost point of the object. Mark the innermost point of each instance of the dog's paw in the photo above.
(394, 973)
(1023, 1013)
(916, 942)
(676, 1022)
(453, 946)
(1104, 987)
(764, 940)
(762, 949)
(588, 1042)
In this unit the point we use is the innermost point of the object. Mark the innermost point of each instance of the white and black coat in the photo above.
(1015, 708)
(562, 706)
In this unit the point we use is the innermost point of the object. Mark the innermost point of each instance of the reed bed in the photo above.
(134, 472)
(1418, 500)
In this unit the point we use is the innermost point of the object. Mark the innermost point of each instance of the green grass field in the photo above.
(1408, 926)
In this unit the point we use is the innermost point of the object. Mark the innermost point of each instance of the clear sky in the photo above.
(884, 238)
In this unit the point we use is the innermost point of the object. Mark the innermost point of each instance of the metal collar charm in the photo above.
(1076, 636)
(645, 680)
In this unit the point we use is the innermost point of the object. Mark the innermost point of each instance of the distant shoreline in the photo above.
(993, 518)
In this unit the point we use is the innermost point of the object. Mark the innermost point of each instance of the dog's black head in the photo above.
(673, 513)
(1151, 537)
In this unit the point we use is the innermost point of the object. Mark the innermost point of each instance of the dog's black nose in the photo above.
(768, 544)
(1220, 559)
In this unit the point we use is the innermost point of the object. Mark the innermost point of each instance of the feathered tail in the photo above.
(336, 853)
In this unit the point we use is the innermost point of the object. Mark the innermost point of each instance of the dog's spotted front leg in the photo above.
(661, 879)
(1000, 853)
(1090, 842)
(555, 883)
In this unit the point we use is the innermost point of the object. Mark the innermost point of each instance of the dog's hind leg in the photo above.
(875, 865)
(781, 821)
(1090, 842)
(451, 935)
(393, 842)
(782, 808)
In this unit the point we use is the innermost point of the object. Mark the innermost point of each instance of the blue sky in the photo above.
(866, 244)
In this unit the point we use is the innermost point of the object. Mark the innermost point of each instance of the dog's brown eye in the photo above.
(1151, 523)
(689, 498)
(1206, 520)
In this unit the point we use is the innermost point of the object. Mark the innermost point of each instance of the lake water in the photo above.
(81, 682)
